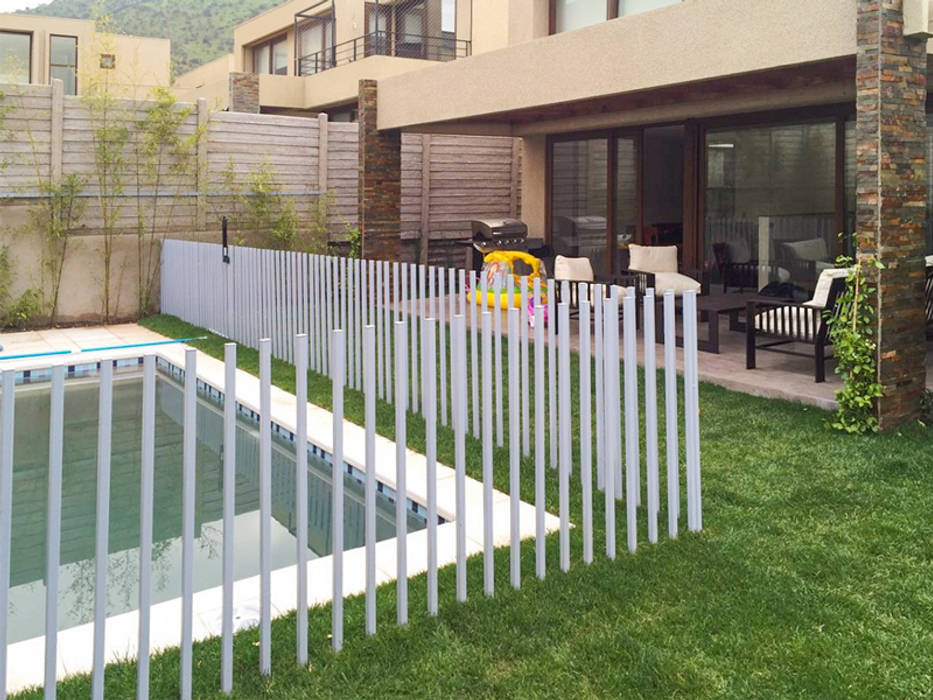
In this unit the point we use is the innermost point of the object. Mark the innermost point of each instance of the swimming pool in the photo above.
(76, 573)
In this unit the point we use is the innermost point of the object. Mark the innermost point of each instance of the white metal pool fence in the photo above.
(287, 305)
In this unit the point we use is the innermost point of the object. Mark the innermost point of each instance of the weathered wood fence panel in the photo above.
(446, 180)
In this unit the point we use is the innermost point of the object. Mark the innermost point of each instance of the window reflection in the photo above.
(579, 199)
(770, 198)
(15, 52)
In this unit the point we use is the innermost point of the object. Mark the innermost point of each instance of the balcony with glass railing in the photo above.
(440, 47)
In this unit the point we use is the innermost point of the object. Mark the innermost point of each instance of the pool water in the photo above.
(76, 574)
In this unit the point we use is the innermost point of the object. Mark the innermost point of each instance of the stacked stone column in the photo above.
(244, 92)
(380, 185)
(892, 198)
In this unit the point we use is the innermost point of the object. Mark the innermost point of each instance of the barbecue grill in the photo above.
(500, 234)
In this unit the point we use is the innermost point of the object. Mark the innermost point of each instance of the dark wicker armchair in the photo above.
(772, 325)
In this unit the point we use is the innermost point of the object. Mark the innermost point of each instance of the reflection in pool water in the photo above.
(76, 591)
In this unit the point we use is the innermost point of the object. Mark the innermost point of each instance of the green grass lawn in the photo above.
(813, 577)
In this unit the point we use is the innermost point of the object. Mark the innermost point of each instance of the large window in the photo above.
(271, 57)
(579, 199)
(573, 14)
(406, 27)
(63, 62)
(315, 45)
(633, 7)
(15, 57)
(771, 197)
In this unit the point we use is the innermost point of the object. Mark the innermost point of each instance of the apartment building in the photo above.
(308, 57)
(35, 49)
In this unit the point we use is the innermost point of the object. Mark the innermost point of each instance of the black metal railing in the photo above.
(443, 47)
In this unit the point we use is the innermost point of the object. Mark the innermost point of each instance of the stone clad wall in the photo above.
(244, 92)
(380, 189)
(892, 196)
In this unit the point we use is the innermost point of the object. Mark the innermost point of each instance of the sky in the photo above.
(13, 5)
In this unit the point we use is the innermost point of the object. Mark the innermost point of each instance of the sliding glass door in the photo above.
(579, 199)
(771, 198)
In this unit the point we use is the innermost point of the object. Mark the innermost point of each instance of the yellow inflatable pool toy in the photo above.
(513, 265)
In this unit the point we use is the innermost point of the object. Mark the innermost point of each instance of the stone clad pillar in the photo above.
(891, 85)
(380, 186)
(244, 92)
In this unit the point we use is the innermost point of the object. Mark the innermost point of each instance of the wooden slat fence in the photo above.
(446, 180)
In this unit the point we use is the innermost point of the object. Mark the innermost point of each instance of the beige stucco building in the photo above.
(311, 59)
(34, 49)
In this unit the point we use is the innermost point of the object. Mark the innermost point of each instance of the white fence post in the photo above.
(565, 432)
(352, 327)
(387, 325)
(474, 357)
(552, 369)
(301, 496)
(651, 415)
(7, 411)
(670, 415)
(401, 487)
(102, 525)
(598, 347)
(370, 350)
(53, 529)
(631, 421)
(525, 388)
(515, 559)
(692, 414)
(189, 474)
(488, 560)
(429, 354)
(611, 412)
(337, 343)
(415, 340)
(438, 311)
(229, 508)
(146, 493)
(540, 542)
(378, 323)
(586, 444)
(422, 315)
(497, 357)
(265, 506)
(458, 413)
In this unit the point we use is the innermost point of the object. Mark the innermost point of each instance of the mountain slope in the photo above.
(200, 30)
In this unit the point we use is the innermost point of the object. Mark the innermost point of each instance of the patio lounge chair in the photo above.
(577, 270)
(656, 267)
(739, 272)
(781, 323)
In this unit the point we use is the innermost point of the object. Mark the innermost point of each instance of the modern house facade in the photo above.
(751, 131)
(35, 49)
(308, 57)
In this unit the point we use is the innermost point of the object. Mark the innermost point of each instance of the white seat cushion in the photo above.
(823, 285)
(678, 283)
(789, 320)
(813, 249)
(929, 260)
(576, 269)
(653, 258)
(739, 252)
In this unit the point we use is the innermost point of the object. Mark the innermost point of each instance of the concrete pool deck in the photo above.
(25, 659)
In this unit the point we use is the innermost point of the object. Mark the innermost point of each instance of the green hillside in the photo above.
(200, 30)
